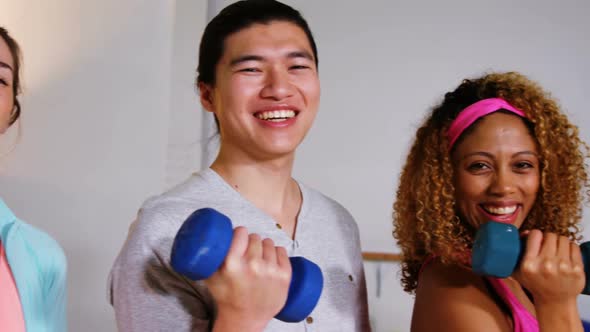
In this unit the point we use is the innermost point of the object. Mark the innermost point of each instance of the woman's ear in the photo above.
(15, 112)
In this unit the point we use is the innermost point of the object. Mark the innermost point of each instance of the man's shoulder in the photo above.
(196, 189)
(320, 203)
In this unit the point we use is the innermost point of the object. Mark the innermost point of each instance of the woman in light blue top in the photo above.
(36, 261)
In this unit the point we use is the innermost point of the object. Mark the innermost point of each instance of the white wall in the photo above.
(97, 103)
(111, 117)
(185, 136)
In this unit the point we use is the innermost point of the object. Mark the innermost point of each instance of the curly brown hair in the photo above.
(424, 215)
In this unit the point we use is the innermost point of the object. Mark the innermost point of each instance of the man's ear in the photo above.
(206, 96)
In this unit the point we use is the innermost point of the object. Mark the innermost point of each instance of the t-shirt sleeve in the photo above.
(147, 295)
(362, 301)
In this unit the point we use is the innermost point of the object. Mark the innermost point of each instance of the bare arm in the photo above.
(451, 298)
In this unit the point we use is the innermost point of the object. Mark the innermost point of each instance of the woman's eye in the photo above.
(478, 166)
(524, 165)
(3, 82)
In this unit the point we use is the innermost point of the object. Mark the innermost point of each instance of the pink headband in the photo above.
(475, 111)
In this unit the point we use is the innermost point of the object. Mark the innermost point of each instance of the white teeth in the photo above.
(500, 210)
(276, 116)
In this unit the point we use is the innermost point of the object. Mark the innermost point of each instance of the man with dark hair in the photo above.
(258, 74)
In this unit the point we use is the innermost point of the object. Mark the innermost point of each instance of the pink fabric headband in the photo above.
(475, 111)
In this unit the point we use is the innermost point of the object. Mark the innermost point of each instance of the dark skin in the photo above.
(497, 176)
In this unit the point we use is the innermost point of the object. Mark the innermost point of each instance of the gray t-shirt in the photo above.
(148, 295)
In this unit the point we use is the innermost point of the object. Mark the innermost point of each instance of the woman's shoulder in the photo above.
(453, 298)
(18, 230)
(436, 273)
(44, 246)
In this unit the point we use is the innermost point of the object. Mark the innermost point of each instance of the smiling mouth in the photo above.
(276, 116)
(500, 211)
(503, 214)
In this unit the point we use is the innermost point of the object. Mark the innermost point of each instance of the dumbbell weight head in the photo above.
(305, 289)
(497, 250)
(201, 244)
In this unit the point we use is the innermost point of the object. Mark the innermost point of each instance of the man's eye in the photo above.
(249, 70)
(299, 67)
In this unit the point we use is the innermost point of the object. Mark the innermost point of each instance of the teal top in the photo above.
(38, 265)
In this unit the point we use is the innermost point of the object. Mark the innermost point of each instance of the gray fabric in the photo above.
(148, 295)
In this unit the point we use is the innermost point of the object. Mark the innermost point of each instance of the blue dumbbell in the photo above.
(498, 249)
(202, 243)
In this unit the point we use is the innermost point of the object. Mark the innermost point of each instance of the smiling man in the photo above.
(258, 75)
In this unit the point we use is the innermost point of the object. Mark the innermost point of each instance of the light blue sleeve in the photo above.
(44, 298)
(55, 290)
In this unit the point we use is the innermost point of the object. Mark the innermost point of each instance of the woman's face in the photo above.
(496, 171)
(6, 85)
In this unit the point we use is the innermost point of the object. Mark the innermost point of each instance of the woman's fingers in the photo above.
(549, 245)
(534, 241)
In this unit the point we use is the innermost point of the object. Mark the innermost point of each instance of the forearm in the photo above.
(559, 317)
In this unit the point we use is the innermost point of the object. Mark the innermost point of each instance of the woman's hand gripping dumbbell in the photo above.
(499, 248)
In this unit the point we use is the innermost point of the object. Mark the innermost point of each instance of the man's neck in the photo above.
(266, 184)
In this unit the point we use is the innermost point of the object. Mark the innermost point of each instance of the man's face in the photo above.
(266, 93)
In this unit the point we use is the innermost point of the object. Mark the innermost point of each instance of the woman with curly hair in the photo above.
(497, 148)
(32, 264)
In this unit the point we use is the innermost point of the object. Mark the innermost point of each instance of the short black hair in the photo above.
(238, 16)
